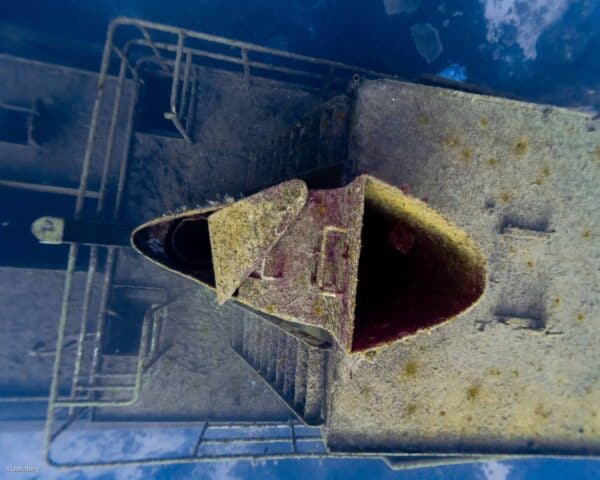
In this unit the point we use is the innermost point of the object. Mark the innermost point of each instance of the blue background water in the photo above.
(25, 448)
(565, 70)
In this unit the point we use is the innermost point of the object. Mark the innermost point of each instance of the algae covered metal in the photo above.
(365, 262)
(519, 372)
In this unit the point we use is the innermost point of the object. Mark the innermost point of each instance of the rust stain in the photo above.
(466, 154)
(410, 369)
(556, 302)
(521, 146)
(473, 392)
(541, 411)
(452, 141)
(318, 308)
(322, 209)
(505, 197)
(371, 354)
(545, 173)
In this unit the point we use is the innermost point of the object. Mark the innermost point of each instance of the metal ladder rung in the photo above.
(103, 388)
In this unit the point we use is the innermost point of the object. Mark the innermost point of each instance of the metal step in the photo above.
(111, 364)
(316, 371)
(300, 379)
(314, 148)
(292, 362)
(289, 384)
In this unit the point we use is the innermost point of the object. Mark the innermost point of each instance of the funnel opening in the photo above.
(410, 277)
(181, 244)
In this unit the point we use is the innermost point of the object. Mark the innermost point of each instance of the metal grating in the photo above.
(315, 150)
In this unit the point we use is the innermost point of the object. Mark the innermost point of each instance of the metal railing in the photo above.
(133, 44)
(178, 52)
(221, 441)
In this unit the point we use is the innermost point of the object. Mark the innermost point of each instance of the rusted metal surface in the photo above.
(297, 256)
(242, 234)
(519, 372)
(520, 180)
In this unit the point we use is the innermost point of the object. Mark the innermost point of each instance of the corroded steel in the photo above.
(367, 263)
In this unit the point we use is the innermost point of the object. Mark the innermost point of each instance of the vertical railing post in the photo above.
(293, 435)
(246, 64)
(176, 70)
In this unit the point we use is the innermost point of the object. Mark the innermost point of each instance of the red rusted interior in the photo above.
(406, 282)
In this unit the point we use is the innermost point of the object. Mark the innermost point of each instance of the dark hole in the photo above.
(190, 242)
(181, 244)
(326, 177)
(154, 101)
(124, 328)
(53, 120)
(14, 126)
(537, 223)
(406, 281)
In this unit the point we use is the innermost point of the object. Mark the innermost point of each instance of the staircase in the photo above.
(290, 360)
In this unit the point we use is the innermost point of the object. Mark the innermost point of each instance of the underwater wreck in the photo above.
(477, 228)
(409, 272)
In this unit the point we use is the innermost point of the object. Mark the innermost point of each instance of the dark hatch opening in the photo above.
(14, 126)
(182, 244)
(154, 101)
(407, 280)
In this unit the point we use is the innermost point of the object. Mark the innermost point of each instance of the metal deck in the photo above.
(102, 384)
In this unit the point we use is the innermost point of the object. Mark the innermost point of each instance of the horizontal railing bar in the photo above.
(16, 108)
(240, 44)
(39, 187)
(232, 59)
(24, 399)
(229, 441)
(200, 459)
(103, 388)
(251, 423)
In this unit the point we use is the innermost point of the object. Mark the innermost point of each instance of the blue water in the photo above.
(24, 449)
(566, 40)
(455, 72)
